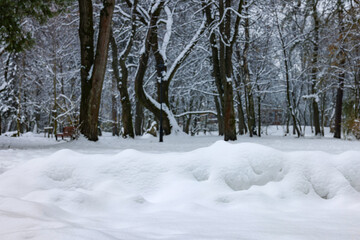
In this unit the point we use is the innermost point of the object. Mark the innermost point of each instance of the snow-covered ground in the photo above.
(273, 187)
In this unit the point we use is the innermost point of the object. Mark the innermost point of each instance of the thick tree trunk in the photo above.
(92, 91)
(229, 117)
(86, 34)
(222, 49)
(226, 72)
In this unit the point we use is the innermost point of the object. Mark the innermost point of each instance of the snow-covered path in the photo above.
(186, 188)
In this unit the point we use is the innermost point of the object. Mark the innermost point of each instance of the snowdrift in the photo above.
(55, 197)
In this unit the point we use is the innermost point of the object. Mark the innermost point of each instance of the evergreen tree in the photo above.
(13, 35)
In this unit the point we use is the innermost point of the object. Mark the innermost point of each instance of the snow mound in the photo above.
(223, 168)
(68, 186)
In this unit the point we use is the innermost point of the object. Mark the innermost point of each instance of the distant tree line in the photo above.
(233, 64)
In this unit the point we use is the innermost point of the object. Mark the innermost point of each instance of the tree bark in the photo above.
(122, 80)
(259, 113)
(93, 95)
(139, 116)
(18, 117)
(247, 80)
(289, 97)
(86, 34)
(151, 42)
(143, 98)
(222, 62)
(219, 101)
(114, 112)
(229, 113)
(315, 70)
(341, 77)
(55, 107)
(219, 115)
(242, 125)
(161, 85)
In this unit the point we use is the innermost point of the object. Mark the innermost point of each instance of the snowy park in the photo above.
(200, 187)
(179, 120)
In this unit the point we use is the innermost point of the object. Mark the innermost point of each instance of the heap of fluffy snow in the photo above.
(69, 186)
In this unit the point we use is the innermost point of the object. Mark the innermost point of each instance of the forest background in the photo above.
(195, 65)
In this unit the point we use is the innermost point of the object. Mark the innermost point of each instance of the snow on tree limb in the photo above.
(185, 53)
(196, 113)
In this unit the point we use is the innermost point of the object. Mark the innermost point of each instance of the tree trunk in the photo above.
(151, 104)
(216, 72)
(161, 85)
(323, 115)
(219, 115)
(311, 112)
(18, 117)
(90, 102)
(6, 72)
(241, 116)
(225, 56)
(242, 125)
(114, 112)
(122, 80)
(55, 107)
(250, 108)
(247, 81)
(315, 70)
(289, 97)
(187, 124)
(139, 116)
(86, 34)
(357, 92)
(339, 101)
(341, 78)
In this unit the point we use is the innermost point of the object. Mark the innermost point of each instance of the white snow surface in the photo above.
(200, 187)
